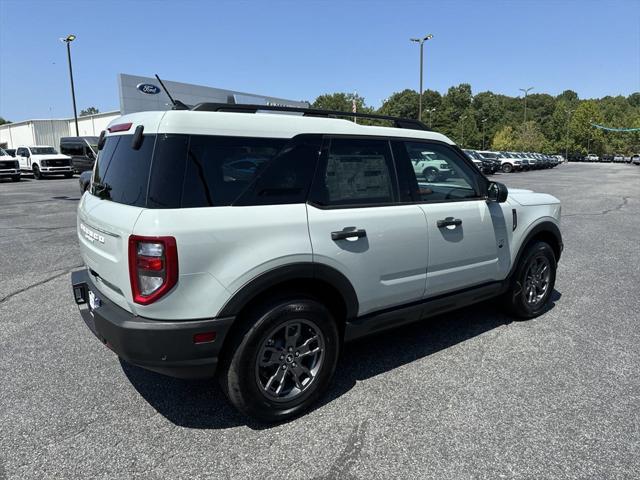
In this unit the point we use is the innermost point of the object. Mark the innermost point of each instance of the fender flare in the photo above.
(542, 227)
(295, 271)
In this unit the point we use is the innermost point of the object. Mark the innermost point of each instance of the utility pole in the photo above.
(526, 91)
(68, 39)
(421, 42)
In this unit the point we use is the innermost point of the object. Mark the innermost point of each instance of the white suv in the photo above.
(225, 238)
(42, 160)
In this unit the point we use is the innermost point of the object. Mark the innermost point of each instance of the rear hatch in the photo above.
(108, 212)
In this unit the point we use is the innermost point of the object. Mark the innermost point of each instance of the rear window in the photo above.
(122, 173)
(188, 171)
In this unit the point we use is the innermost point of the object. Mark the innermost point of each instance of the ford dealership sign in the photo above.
(148, 88)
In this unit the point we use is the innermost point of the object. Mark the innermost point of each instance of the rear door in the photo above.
(358, 227)
(107, 216)
(467, 235)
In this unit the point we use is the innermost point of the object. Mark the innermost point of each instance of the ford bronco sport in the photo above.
(251, 244)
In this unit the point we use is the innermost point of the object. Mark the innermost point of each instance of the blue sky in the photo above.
(299, 50)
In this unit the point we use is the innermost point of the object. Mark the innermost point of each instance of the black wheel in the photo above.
(507, 168)
(36, 173)
(16, 178)
(533, 281)
(281, 359)
(430, 174)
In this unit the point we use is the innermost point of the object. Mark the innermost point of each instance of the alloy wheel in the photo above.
(536, 280)
(290, 359)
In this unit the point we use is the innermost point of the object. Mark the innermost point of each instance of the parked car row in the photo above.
(490, 162)
(607, 158)
(77, 155)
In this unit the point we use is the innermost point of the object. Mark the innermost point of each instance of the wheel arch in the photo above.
(545, 231)
(324, 282)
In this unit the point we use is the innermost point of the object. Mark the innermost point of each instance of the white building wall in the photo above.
(15, 134)
(48, 132)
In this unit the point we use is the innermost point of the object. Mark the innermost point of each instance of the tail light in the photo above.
(153, 267)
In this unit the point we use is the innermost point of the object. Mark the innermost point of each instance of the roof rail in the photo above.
(307, 112)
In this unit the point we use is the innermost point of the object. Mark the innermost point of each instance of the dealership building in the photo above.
(137, 94)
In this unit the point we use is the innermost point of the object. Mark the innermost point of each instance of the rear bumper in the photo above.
(164, 346)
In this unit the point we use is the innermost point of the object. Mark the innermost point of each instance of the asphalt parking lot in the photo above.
(467, 395)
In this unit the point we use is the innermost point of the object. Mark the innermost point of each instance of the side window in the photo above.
(219, 169)
(287, 178)
(71, 149)
(355, 172)
(437, 173)
(20, 152)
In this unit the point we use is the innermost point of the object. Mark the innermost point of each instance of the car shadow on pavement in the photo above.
(201, 404)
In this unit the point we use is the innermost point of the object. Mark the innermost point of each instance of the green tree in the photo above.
(529, 138)
(401, 104)
(587, 138)
(504, 139)
(89, 111)
(3, 121)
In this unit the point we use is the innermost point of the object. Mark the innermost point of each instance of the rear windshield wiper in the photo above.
(102, 190)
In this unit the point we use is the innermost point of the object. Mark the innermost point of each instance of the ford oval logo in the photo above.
(148, 88)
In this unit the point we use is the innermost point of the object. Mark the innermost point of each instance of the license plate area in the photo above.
(94, 301)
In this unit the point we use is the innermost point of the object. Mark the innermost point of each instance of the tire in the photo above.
(529, 291)
(36, 173)
(16, 178)
(507, 168)
(430, 174)
(251, 370)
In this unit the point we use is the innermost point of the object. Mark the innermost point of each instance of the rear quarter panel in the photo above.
(220, 249)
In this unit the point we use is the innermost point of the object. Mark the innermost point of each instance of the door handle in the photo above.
(448, 222)
(348, 234)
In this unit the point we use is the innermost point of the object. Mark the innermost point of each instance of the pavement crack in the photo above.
(349, 456)
(38, 283)
(624, 203)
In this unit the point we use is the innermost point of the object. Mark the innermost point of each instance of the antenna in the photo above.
(177, 104)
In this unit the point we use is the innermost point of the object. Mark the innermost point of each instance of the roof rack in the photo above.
(307, 112)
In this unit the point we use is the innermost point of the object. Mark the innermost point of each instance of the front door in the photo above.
(358, 227)
(467, 238)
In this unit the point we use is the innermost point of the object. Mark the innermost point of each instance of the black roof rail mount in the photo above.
(307, 112)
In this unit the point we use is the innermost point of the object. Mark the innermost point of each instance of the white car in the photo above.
(592, 157)
(43, 160)
(260, 277)
(427, 165)
(635, 159)
(9, 166)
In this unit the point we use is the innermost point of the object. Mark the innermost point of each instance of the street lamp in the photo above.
(431, 110)
(421, 42)
(484, 121)
(526, 91)
(68, 40)
(462, 119)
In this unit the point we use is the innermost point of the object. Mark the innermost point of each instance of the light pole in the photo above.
(484, 121)
(421, 42)
(462, 119)
(68, 40)
(431, 110)
(526, 91)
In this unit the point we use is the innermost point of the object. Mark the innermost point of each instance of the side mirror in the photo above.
(497, 192)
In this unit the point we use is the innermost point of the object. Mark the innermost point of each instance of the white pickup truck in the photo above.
(9, 167)
(43, 161)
